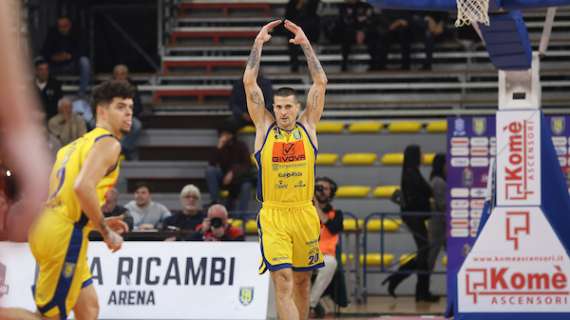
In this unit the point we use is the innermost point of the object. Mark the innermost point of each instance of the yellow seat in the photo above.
(346, 258)
(247, 129)
(374, 259)
(404, 127)
(224, 193)
(359, 159)
(406, 257)
(437, 127)
(352, 192)
(350, 225)
(327, 159)
(444, 261)
(392, 159)
(384, 191)
(365, 127)
(251, 227)
(330, 127)
(427, 158)
(236, 223)
(390, 225)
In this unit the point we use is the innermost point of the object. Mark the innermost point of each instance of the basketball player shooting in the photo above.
(285, 151)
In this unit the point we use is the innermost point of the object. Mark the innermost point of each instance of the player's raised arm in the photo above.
(255, 103)
(316, 97)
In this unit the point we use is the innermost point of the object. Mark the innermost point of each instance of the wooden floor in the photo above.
(384, 307)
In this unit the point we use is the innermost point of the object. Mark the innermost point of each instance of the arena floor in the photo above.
(383, 307)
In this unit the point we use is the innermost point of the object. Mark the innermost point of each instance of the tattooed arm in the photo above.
(316, 97)
(261, 118)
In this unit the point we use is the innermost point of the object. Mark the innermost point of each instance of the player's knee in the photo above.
(283, 282)
(303, 280)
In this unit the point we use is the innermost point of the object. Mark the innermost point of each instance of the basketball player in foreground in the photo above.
(285, 151)
(22, 144)
(83, 172)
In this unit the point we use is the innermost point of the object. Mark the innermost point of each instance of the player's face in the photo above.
(120, 115)
(286, 110)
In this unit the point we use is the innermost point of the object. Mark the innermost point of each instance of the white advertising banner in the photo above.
(157, 280)
(517, 265)
(518, 158)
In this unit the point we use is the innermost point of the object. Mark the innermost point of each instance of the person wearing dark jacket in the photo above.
(49, 89)
(304, 14)
(65, 51)
(216, 227)
(229, 168)
(331, 227)
(111, 208)
(191, 215)
(415, 198)
(238, 104)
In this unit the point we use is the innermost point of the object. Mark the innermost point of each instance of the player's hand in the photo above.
(299, 35)
(264, 34)
(113, 240)
(117, 224)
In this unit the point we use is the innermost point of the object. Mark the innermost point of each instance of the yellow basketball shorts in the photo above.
(60, 250)
(289, 237)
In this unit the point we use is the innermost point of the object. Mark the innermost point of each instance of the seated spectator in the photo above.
(230, 168)
(216, 227)
(66, 126)
(331, 225)
(82, 108)
(129, 142)
(191, 214)
(399, 30)
(49, 89)
(238, 103)
(147, 214)
(112, 209)
(65, 52)
(304, 14)
(430, 27)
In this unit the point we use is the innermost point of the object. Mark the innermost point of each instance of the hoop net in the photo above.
(469, 11)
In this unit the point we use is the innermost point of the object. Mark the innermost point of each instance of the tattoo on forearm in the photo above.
(254, 57)
(257, 98)
(313, 63)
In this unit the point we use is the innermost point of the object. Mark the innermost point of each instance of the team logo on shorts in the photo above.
(68, 269)
(3, 286)
(245, 295)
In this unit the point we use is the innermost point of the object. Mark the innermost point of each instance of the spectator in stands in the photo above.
(399, 30)
(82, 108)
(129, 142)
(415, 198)
(238, 104)
(49, 89)
(66, 126)
(304, 14)
(111, 208)
(191, 214)
(147, 214)
(65, 51)
(331, 226)
(430, 27)
(436, 225)
(230, 168)
(355, 26)
(216, 227)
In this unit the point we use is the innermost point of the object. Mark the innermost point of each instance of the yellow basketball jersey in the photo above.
(69, 161)
(286, 166)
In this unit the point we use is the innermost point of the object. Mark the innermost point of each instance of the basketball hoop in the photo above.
(469, 11)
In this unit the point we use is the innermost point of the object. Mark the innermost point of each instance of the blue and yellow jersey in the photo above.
(69, 161)
(286, 166)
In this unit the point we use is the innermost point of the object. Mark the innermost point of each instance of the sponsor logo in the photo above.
(478, 192)
(68, 269)
(563, 161)
(517, 223)
(474, 223)
(479, 151)
(559, 141)
(479, 126)
(476, 213)
(480, 142)
(497, 282)
(479, 162)
(290, 174)
(477, 203)
(459, 223)
(459, 151)
(4, 288)
(459, 142)
(467, 177)
(459, 204)
(561, 150)
(459, 127)
(246, 295)
(281, 185)
(300, 184)
(459, 233)
(459, 192)
(288, 152)
(459, 162)
(458, 213)
(557, 124)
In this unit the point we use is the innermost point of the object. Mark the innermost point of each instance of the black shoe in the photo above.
(393, 283)
(427, 298)
(318, 312)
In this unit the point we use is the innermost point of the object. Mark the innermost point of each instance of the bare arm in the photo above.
(103, 156)
(316, 97)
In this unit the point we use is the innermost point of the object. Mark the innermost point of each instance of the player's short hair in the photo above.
(105, 92)
(285, 92)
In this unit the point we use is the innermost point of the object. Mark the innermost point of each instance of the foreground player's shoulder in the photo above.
(107, 146)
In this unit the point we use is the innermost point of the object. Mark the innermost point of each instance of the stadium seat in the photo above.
(406, 257)
(389, 225)
(374, 259)
(330, 127)
(350, 225)
(359, 159)
(384, 191)
(365, 127)
(224, 193)
(404, 127)
(437, 126)
(427, 158)
(444, 261)
(327, 159)
(251, 227)
(392, 159)
(352, 192)
(236, 223)
(346, 257)
(247, 129)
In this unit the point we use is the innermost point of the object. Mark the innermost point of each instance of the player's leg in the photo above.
(18, 314)
(301, 291)
(284, 294)
(87, 306)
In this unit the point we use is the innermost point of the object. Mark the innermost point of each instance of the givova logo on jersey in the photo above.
(288, 152)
